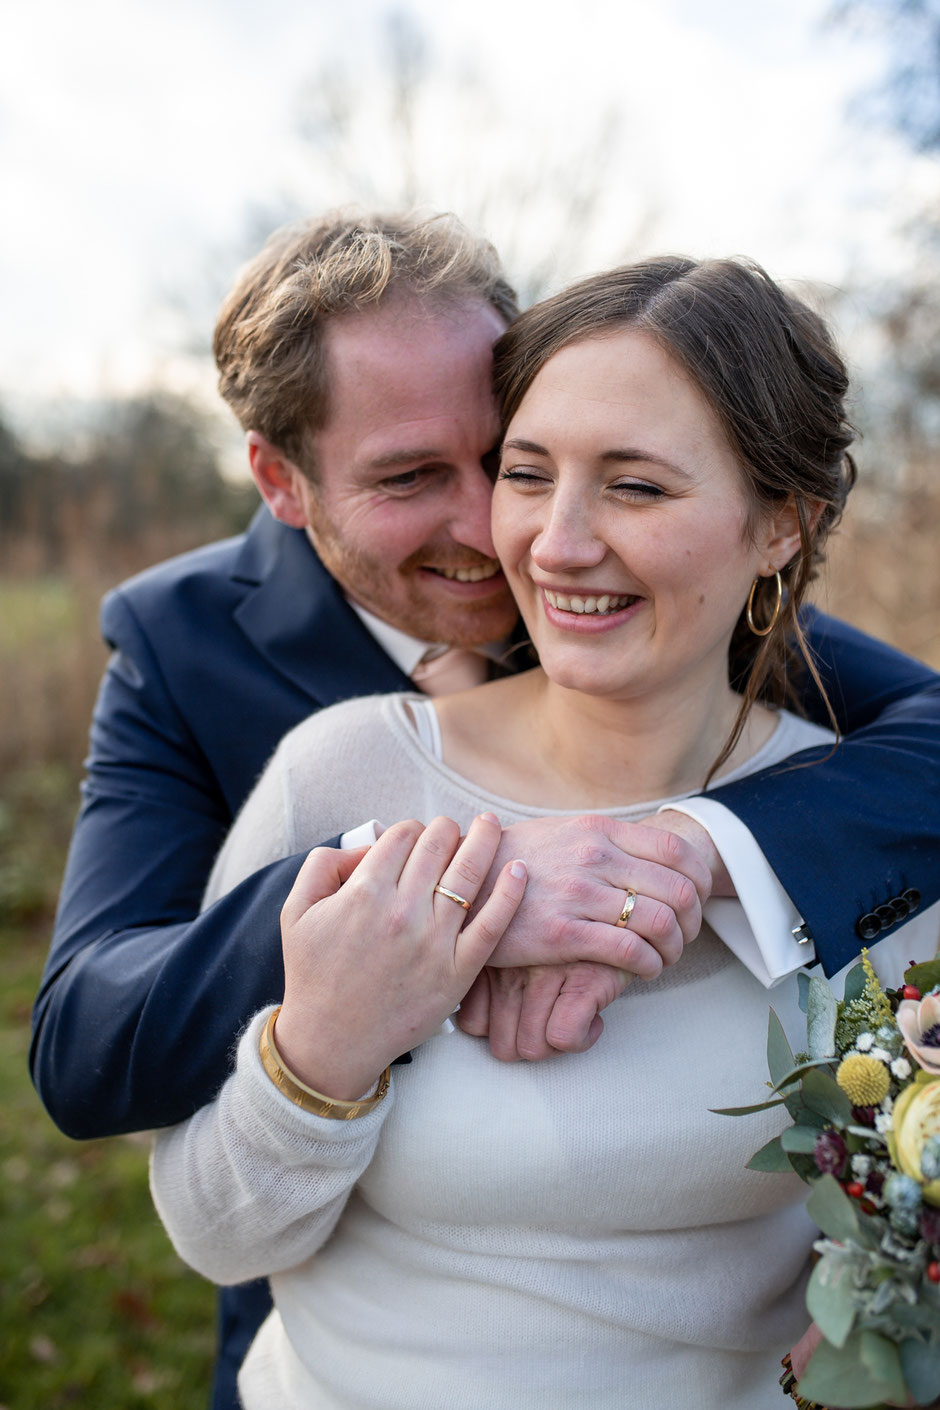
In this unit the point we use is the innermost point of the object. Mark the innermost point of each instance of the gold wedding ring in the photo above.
(627, 911)
(452, 896)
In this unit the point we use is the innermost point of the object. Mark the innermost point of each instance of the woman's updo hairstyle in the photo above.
(767, 366)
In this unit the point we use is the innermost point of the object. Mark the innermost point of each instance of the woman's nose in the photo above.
(567, 539)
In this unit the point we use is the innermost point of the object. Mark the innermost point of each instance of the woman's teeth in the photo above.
(476, 574)
(606, 603)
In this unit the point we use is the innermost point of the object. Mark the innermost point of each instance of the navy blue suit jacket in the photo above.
(216, 655)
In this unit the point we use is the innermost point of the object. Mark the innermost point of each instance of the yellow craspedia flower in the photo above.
(916, 1120)
(864, 1080)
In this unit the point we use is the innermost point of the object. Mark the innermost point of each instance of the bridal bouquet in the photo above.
(865, 1104)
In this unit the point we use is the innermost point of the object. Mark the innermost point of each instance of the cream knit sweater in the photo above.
(577, 1233)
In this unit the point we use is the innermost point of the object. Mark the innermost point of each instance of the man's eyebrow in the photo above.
(403, 457)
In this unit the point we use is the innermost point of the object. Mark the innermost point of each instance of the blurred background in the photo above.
(146, 150)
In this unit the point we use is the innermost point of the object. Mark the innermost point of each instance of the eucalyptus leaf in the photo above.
(926, 976)
(796, 1074)
(822, 1094)
(840, 1376)
(804, 1115)
(832, 1210)
(800, 1138)
(744, 1110)
(779, 1052)
(821, 1014)
(854, 983)
(771, 1157)
(880, 1356)
(830, 1300)
(805, 1167)
(920, 1362)
(802, 981)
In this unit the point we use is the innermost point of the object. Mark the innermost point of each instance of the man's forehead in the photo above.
(404, 390)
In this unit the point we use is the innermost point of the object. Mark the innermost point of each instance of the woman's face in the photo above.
(621, 521)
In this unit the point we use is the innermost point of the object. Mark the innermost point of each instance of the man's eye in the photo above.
(407, 480)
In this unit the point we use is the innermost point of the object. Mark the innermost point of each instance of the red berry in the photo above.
(867, 1206)
(855, 1188)
(910, 991)
(933, 1272)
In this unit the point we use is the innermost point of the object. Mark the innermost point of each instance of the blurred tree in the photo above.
(904, 408)
(909, 98)
(145, 482)
(390, 124)
(886, 569)
(542, 186)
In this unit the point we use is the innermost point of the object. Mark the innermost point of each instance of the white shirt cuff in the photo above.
(758, 926)
(362, 836)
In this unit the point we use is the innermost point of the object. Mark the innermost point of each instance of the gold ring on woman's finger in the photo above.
(627, 911)
(452, 896)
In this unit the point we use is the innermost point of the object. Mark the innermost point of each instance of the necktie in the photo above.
(455, 668)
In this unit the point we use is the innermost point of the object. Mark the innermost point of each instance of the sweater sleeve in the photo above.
(252, 1184)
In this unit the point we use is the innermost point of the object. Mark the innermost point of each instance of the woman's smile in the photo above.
(589, 611)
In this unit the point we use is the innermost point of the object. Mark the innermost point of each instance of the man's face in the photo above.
(400, 510)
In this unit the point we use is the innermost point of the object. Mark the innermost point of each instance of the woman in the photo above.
(583, 1232)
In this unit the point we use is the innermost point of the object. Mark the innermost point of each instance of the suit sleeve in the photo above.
(854, 834)
(142, 997)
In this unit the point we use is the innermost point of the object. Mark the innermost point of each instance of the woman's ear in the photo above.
(780, 541)
(278, 479)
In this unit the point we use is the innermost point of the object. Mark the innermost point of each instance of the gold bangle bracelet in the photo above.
(303, 1096)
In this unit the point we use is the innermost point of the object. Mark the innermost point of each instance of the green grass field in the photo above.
(95, 1307)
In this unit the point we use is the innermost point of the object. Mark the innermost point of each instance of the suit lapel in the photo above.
(296, 617)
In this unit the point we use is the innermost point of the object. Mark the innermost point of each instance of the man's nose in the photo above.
(470, 520)
(567, 537)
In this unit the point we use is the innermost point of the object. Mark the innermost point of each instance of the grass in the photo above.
(95, 1307)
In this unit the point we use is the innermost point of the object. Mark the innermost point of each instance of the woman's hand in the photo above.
(374, 958)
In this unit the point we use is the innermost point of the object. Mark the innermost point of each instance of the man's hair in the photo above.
(269, 338)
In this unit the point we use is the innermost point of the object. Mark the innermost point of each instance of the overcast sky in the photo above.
(138, 136)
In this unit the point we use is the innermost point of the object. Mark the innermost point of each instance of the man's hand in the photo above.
(681, 825)
(579, 873)
(579, 961)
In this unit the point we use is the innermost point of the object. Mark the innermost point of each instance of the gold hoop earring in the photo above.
(764, 631)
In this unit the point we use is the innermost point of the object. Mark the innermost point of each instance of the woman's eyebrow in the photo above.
(631, 456)
(530, 447)
(617, 456)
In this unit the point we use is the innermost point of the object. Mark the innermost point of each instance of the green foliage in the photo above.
(830, 1301)
(37, 806)
(821, 1013)
(926, 976)
(95, 1307)
(866, 1371)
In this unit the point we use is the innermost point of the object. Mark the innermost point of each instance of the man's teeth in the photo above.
(476, 574)
(608, 602)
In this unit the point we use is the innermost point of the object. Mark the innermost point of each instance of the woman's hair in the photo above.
(767, 366)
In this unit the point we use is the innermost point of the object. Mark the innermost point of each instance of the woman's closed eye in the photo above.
(524, 475)
(531, 476)
(638, 489)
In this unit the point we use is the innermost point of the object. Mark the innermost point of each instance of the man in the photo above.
(356, 355)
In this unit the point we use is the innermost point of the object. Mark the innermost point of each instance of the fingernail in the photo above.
(517, 869)
(489, 817)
